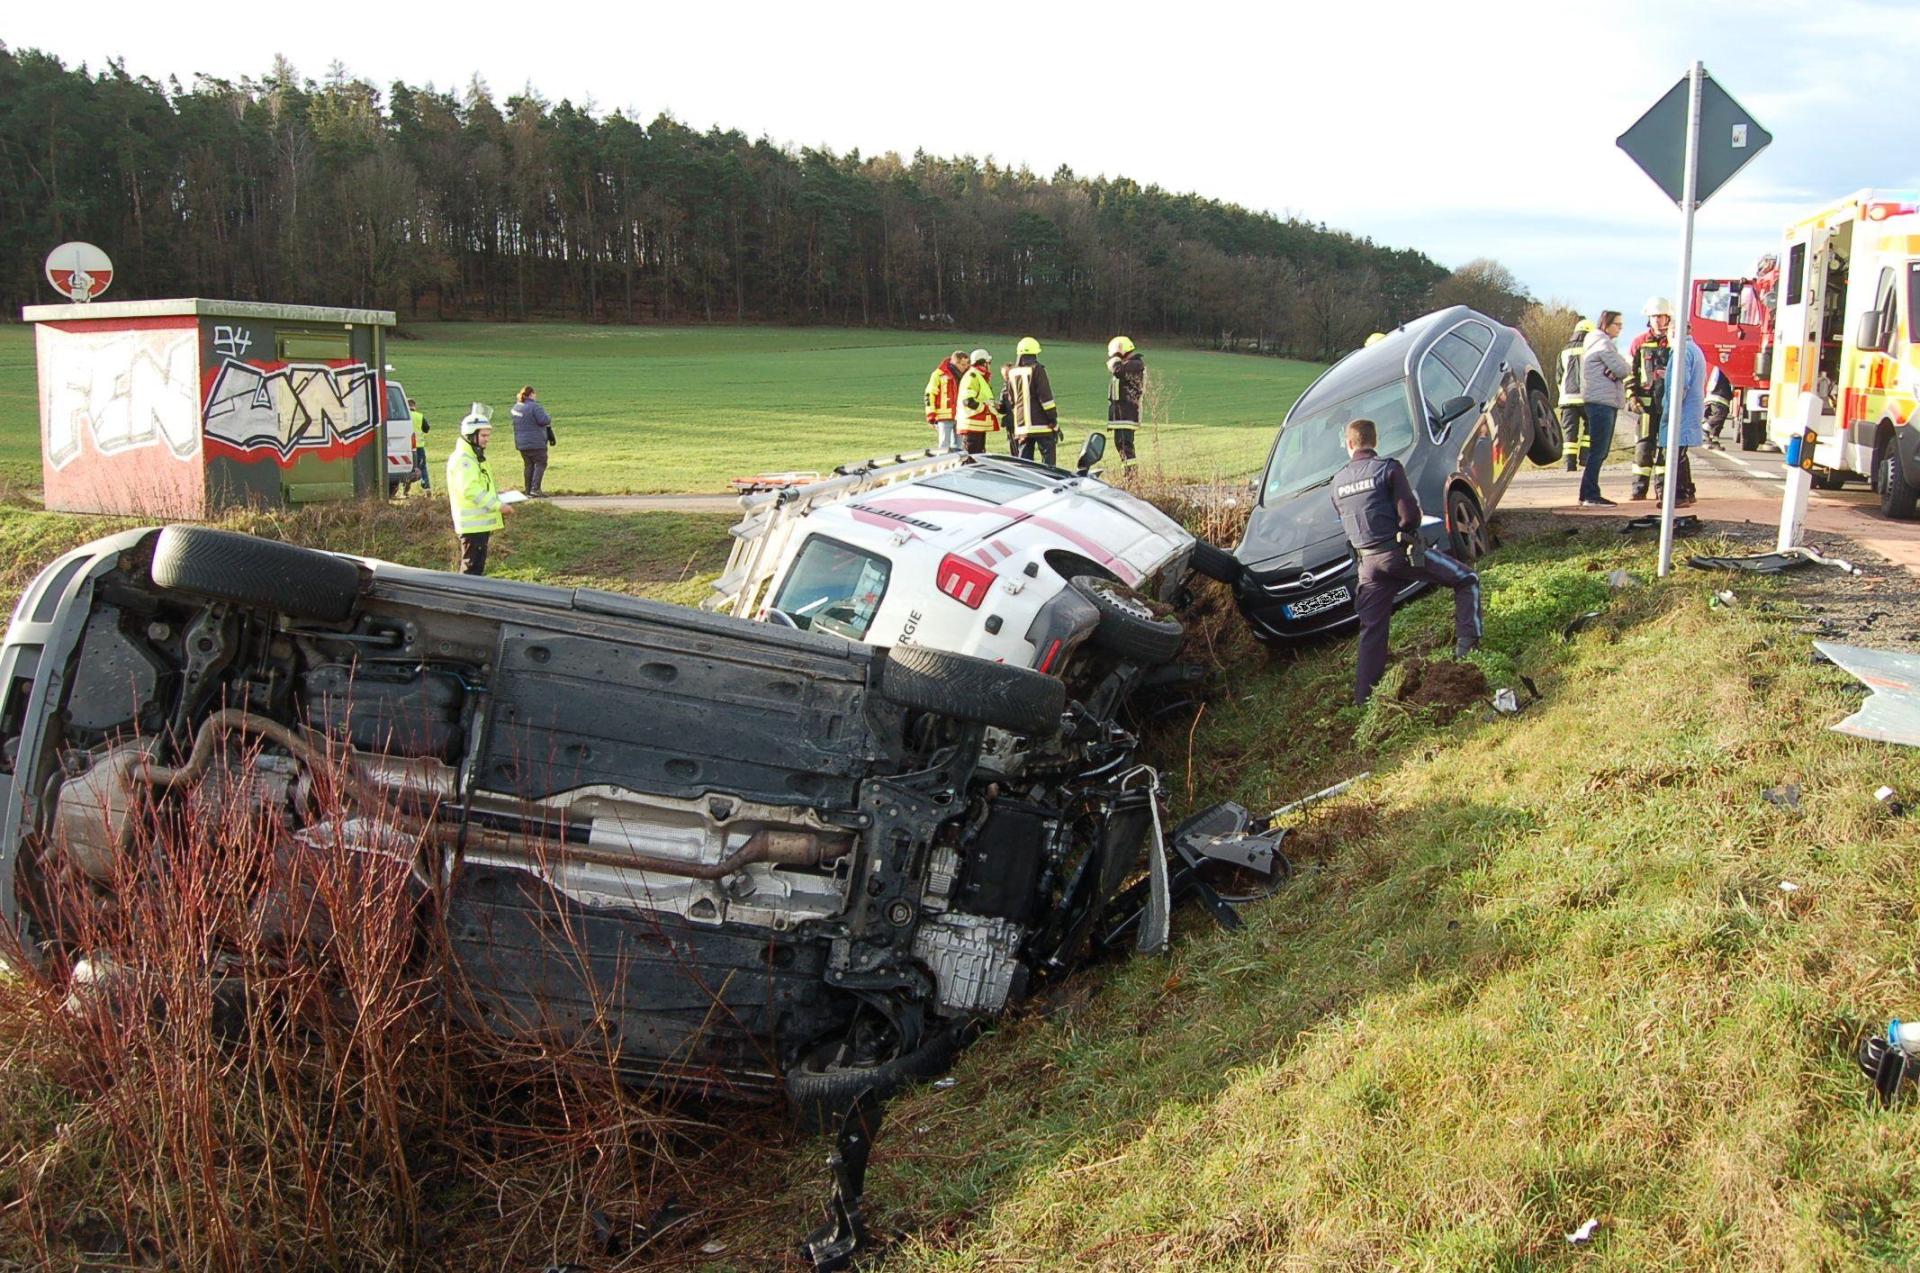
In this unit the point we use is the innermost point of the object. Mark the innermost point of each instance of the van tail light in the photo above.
(965, 581)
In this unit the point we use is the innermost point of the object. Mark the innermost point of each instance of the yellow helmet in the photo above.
(1119, 345)
(1584, 325)
(1375, 339)
(1027, 345)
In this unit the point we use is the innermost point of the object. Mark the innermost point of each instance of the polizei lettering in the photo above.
(1354, 488)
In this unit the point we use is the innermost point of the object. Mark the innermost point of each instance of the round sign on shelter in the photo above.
(79, 271)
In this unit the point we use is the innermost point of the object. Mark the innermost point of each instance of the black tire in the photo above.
(1215, 563)
(1752, 433)
(225, 566)
(970, 689)
(1897, 496)
(1128, 626)
(822, 1092)
(1466, 526)
(1549, 442)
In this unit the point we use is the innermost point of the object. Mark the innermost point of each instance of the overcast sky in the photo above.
(1464, 130)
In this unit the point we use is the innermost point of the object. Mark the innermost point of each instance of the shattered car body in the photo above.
(784, 857)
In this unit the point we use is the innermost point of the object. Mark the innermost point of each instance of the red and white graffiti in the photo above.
(290, 409)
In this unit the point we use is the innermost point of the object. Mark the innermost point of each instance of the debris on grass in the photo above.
(1891, 713)
(1584, 1234)
(1890, 801)
(1722, 600)
(1786, 795)
(1788, 886)
(1444, 685)
(1775, 562)
(1506, 702)
(1619, 578)
(1580, 624)
(1684, 524)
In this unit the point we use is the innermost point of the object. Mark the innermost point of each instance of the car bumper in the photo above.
(1278, 611)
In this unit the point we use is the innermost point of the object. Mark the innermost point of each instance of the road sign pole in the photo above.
(1677, 363)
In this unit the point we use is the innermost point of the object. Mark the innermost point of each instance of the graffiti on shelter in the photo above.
(291, 408)
(231, 342)
(121, 391)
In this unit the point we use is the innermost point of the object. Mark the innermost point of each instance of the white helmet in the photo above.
(1657, 305)
(980, 355)
(480, 417)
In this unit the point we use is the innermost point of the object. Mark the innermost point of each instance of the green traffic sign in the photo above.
(1729, 137)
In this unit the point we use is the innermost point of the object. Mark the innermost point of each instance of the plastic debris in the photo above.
(713, 1248)
(1584, 1234)
(1775, 562)
(1722, 600)
(1506, 701)
(1617, 579)
(1890, 800)
(1788, 886)
(945, 1083)
(1684, 524)
(1891, 713)
(1579, 624)
(1786, 795)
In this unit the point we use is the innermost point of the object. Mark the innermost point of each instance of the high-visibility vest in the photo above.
(943, 393)
(1571, 392)
(470, 489)
(978, 414)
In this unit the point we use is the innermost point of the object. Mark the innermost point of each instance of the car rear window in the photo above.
(1312, 448)
(1479, 335)
(982, 483)
(397, 402)
(833, 587)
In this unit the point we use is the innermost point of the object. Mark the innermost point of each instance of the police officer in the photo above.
(471, 491)
(1381, 516)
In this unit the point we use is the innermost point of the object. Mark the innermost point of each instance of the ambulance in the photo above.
(1845, 333)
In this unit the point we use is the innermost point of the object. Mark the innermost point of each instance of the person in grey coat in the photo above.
(532, 435)
(1602, 370)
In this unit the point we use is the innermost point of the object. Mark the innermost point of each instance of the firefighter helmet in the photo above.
(1027, 345)
(1375, 339)
(1119, 346)
(1656, 306)
(979, 355)
(1584, 325)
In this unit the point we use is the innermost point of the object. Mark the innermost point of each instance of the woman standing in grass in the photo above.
(532, 435)
(477, 511)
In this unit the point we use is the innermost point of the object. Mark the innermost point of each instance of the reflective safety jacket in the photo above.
(943, 392)
(1571, 357)
(470, 489)
(1126, 385)
(978, 414)
(1647, 376)
(419, 422)
(1719, 388)
(1028, 399)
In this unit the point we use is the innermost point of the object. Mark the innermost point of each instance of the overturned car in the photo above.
(781, 857)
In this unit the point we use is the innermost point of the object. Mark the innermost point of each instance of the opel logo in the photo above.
(1306, 579)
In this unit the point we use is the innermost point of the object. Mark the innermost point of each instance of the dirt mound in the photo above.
(1444, 685)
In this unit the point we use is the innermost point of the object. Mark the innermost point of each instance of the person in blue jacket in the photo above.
(532, 435)
(1692, 415)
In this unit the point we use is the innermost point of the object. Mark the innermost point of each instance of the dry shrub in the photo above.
(248, 1039)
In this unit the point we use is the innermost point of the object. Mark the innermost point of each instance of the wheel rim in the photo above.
(1126, 601)
(1469, 530)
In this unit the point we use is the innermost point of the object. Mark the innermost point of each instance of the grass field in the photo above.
(646, 409)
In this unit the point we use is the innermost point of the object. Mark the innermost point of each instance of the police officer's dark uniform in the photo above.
(1381, 516)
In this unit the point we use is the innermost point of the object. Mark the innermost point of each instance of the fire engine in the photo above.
(1733, 325)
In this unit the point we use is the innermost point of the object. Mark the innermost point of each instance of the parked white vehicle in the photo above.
(999, 558)
(399, 437)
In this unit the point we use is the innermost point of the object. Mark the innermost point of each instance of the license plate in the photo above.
(1314, 605)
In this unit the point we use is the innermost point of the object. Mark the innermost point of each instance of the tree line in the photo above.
(457, 205)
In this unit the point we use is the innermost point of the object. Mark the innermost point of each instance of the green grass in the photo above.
(1538, 969)
(641, 409)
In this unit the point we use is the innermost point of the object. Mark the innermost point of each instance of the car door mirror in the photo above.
(1096, 446)
(1452, 409)
(1869, 335)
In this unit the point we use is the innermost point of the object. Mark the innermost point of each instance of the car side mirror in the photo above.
(1096, 446)
(1870, 336)
(1452, 409)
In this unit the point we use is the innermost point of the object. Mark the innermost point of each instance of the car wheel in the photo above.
(1466, 526)
(1215, 563)
(224, 566)
(1897, 497)
(970, 689)
(1549, 443)
(1128, 625)
(823, 1083)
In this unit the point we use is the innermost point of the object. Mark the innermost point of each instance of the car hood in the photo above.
(1302, 529)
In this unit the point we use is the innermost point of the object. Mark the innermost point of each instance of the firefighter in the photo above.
(1573, 403)
(943, 399)
(1126, 385)
(1647, 361)
(978, 414)
(1381, 516)
(1027, 402)
(1719, 404)
(477, 511)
